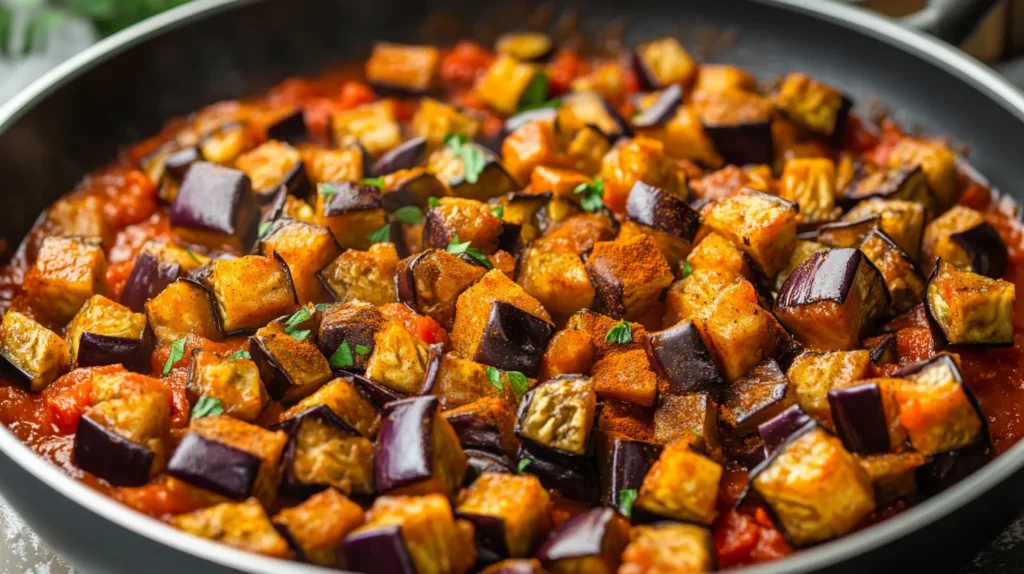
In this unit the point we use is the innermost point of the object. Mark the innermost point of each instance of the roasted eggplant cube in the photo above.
(513, 339)
(963, 238)
(668, 547)
(460, 382)
(372, 126)
(355, 322)
(802, 250)
(244, 525)
(234, 382)
(902, 278)
(398, 359)
(810, 183)
(936, 160)
(776, 430)
(149, 276)
(663, 211)
(902, 221)
(815, 489)
(351, 211)
(290, 128)
(525, 45)
(510, 514)
(183, 307)
(403, 68)
(814, 374)
(687, 416)
(739, 123)
(431, 282)
(345, 401)
(36, 354)
(418, 451)
(663, 62)
(685, 360)
(625, 375)
(866, 416)
(324, 450)
(432, 121)
(413, 186)
(588, 542)
(817, 107)
(332, 165)
(970, 309)
(755, 397)
(363, 275)
(290, 367)
(580, 109)
(67, 272)
(305, 249)
(629, 276)
(682, 485)
(898, 183)
(214, 205)
(832, 298)
(937, 408)
(490, 180)
(685, 298)
(465, 219)
(107, 333)
(622, 464)
(847, 233)
(222, 144)
(570, 352)
(762, 225)
(219, 457)
(559, 414)
(487, 424)
(316, 528)
(410, 534)
(250, 291)
(506, 82)
(893, 475)
(273, 165)
(559, 280)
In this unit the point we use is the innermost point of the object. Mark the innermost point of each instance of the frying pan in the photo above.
(123, 89)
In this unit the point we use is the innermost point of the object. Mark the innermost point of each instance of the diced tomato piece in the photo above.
(318, 115)
(466, 62)
(117, 276)
(167, 497)
(771, 544)
(736, 537)
(565, 67)
(424, 328)
(858, 138)
(68, 396)
(355, 94)
(890, 136)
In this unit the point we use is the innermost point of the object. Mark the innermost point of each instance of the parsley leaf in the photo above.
(328, 191)
(299, 335)
(239, 354)
(341, 357)
(473, 161)
(687, 269)
(409, 214)
(323, 307)
(177, 353)
(382, 235)
(374, 181)
(192, 256)
(362, 350)
(207, 407)
(434, 202)
(591, 195)
(536, 92)
(523, 463)
(298, 318)
(498, 211)
(456, 248)
(495, 377)
(620, 333)
(455, 141)
(264, 228)
(520, 384)
(627, 497)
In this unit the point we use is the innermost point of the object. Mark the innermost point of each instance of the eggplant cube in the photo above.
(937, 408)
(623, 463)
(813, 105)
(333, 165)
(800, 253)
(815, 488)
(776, 430)
(558, 280)
(414, 186)
(37, 354)
(810, 183)
(559, 414)
(866, 415)
(505, 83)
(399, 361)
(663, 211)
(106, 333)
(460, 382)
(351, 211)
(905, 283)
(418, 451)
(431, 282)
(663, 62)
(588, 542)
(431, 123)
(739, 123)
(902, 221)
(625, 375)
(316, 528)
(687, 416)
(832, 298)
(290, 128)
(305, 249)
(323, 449)
(762, 225)
(685, 360)
(487, 424)
(67, 272)
(963, 238)
(510, 514)
(149, 276)
(357, 323)
(668, 547)
(274, 165)
(893, 475)
(215, 204)
(814, 374)
(403, 68)
(234, 382)
(467, 219)
(411, 152)
(250, 291)
(244, 525)
(371, 126)
(936, 160)
(290, 367)
(629, 276)
(492, 180)
(182, 308)
(410, 534)
(345, 402)
(363, 275)
(756, 397)
(970, 309)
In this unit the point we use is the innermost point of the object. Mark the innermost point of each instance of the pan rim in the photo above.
(930, 50)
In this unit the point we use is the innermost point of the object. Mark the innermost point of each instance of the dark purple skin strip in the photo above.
(662, 109)
(290, 129)
(623, 463)
(380, 549)
(744, 143)
(148, 278)
(860, 418)
(826, 275)
(513, 340)
(350, 197)
(986, 249)
(110, 456)
(213, 198)
(214, 466)
(654, 207)
(403, 443)
(776, 430)
(580, 536)
(685, 360)
(406, 156)
(95, 350)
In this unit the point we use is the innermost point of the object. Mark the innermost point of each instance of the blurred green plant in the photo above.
(20, 36)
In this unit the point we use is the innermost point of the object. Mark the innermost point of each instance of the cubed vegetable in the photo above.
(814, 374)
(866, 416)
(418, 451)
(622, 463)
(668, 547)
(215, 205)
(67, 272)
(316, 528)
(510, 514)
(693, 416)
(902, 278)
(273, 165)
(558, 280)
(433, 121)
(629, 276)
(588, 542)
(937, 408)
(761, 225)
(36, 354)
(234, 382)
(685, 360)
(372, 126)
(351, 211)
(815, 106)
(183, 307)
(903, 221)
(483, 179)
(893, 474)
(963, 238)
(398, 359)
(305, 249)
(970, 309)
(937, 162)
(250, 291)
(662, 62)
(403, 68)
(325, 450)
(106, 333)
(682, 485)
(465, 219)
(755, 398)
(506, 83)
(739, 123)
(487, 424)
(244, 525)
(363, 275)
(810, 183)
(355, 322)
(344, 400)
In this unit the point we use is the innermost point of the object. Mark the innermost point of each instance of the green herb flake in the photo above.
(362, 350)
(498, 211)
(323, 307)
(177, 353)
(328, 191)
(382, 235)
(523, 463)
(374, 181)
(535, 94)
(434, 202)
(300, 335)
(239, 354)
(495, 377)
(192, 256)
(264, 228)
(552, 103)
(591, 195)
(621, 333)
(520, 384)
(456, 248)
(455, 141)
(298, 318)
(409, 214)
(341, 357)
(473, 162)
(627, 497)
(687, 269)
(207, 407)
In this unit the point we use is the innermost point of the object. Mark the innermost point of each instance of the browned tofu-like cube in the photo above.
(969, 308)
(35, 352)
(109, 320)
(559, 414)
(403, 67)
(685, 416)
(570, 351)
(559, 280)
(815, 488)
(342, 398)
(738, 331)
(762, 225)
(578, 233)
(318, 526)
(434, 120)
(936, 406)
(716, 253)
(372, 126)
(810, 183)
(234, 382)
(473, 309)
(467, 219)
(244, 525)
(936, 160)
(814, 374)
(398, 360)
(267, 446)
(355, 322)
(902, 221)
(672, 247)
(67, 272)
(182, 308)
(629, 276)
(250, 291)
(686, 297)
(668, 547)
(437, 280)
(460, 382)
(640, 159)
(333, 165)
(271, 165)
(505, 83)
(530, 145)
(80, 217)
(597, 326)
(684, 138)
(510, 512)
(363, 275)
(682, 485)
(306, 249)
(626, 376)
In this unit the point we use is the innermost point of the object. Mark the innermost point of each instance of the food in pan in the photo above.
(521, 309)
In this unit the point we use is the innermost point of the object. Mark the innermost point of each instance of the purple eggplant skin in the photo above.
(405, 282)
(826, 275)
(661, 110)
(513, 340)
(403, 442)
(945, 360)
(434, 354)
(860, 418)
(95, 350)
(476, 433)
(377, 394)
(582, 535)
(215, 199)
(378, 550)
(948, 468)
(148, 278)
(407, 155)
(320, 413)
(776, 430)
(110, 456)
(986, 249)
(214, 466)
(290, 129)
(522, 118)
(615, 126)
(884, 351)
(482, 461)
(489, 533)
(743, 143)
(574, 478)
(511, 238)
(685, 360)
(177, 163)
(414, 191)
(623, 463)
(351, 197)
(655, 207)
(396, 236)
(274, 378)
(296, 182)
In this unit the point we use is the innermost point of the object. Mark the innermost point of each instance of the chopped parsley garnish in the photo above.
(177, 353)
(298, 318)
(520, 384)
(374, 181)
(192, 256)
(323, 307)
(627, 497)
(328, 191)
(621, 333)
(409, 214)
(456, 248)
(687, 269)
(473, 161)
(264, 228)
(523, 463)
(362, 350)
(591, 195)
(455, 141)
(434, 202)
(341, 357)
(382, 235)
(498, 211)
(207, 407)
(495, 377)
(535, 94)
(299, 335)
(239, 354)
